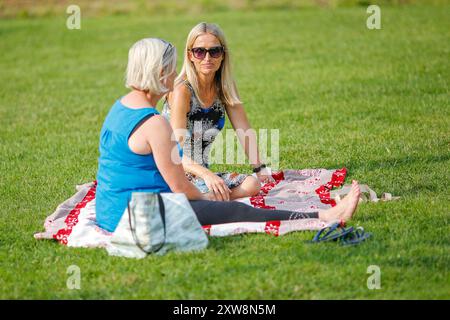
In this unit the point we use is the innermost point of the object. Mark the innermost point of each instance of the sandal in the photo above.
(356, 237)
(333, 232)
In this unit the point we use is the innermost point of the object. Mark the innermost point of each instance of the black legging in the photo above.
(216, 212)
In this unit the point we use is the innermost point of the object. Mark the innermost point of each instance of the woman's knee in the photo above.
(251, 185)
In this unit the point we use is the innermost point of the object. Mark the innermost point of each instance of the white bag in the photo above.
(157, 223)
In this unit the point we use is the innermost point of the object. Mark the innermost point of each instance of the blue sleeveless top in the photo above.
(120, 170)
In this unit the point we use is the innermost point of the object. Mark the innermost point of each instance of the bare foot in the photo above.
(352, 199)
(345, 209)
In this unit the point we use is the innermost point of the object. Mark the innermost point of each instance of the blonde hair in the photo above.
(150, 62)
(224, 81)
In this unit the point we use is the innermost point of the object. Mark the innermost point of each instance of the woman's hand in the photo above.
(218, 190)
(265, 175)
(208, 196)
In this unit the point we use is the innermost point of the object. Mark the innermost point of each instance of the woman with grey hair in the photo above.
(136, 151)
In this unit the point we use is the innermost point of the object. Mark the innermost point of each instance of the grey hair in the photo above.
(150, 62)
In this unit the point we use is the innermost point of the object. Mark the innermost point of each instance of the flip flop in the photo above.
(333, 232)
(355, 237)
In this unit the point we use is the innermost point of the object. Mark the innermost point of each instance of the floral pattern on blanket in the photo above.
(73, 223)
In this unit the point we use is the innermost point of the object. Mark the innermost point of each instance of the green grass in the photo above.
(51, 8)
(375, 101)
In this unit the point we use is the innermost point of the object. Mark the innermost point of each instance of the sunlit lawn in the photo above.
(374, 101)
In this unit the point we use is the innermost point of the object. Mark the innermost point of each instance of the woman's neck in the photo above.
(206, 82)
(152, 99)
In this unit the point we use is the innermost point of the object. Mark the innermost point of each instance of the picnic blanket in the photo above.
(73, 223)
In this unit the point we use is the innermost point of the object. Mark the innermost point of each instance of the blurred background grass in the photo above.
(30, 8)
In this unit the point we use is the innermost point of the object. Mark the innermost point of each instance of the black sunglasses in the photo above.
(214, 52)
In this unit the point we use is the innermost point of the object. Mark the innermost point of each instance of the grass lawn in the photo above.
(374, 101)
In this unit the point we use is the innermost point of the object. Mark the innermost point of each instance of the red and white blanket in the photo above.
(73, 223)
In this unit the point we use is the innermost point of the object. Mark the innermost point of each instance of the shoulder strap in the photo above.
(187, 84)
(139, 120)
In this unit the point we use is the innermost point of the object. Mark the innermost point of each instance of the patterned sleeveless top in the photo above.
(203, 125)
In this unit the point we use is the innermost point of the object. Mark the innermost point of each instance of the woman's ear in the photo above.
(190, 56)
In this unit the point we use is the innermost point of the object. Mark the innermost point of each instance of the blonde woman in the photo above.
(204, 92)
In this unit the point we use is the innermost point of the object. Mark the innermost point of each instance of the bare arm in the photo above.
(179, 101)
(247, 138)
(158, 134)
(241, 125)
